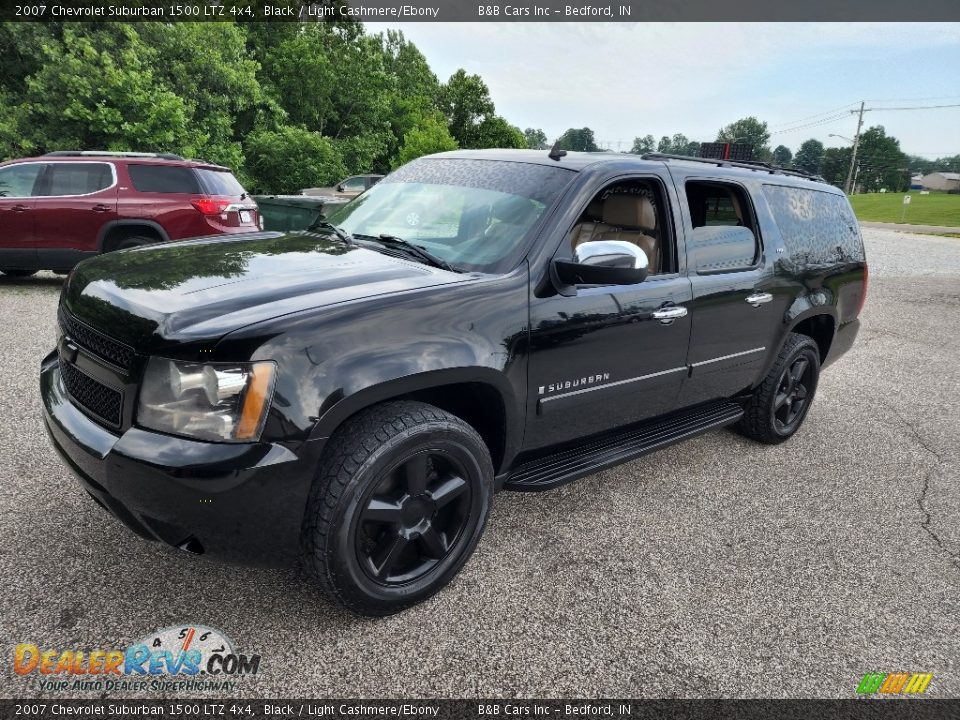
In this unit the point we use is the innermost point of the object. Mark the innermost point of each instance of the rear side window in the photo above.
(354, 184)
(75, 179)
(164, 179)
(17, 181)
(817, 227)
(724, 237)
(220, 182)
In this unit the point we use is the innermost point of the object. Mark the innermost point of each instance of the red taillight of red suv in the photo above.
(863, 293)
(212, 205)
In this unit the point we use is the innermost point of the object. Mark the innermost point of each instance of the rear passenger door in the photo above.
(75, 200)
(737, 307)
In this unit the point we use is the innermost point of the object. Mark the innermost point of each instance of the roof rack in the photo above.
(110, 153)
(755, 165)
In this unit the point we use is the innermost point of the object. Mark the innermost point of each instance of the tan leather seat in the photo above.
(584, 231)
(631, 218)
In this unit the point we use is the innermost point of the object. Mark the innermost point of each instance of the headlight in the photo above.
(211, 401)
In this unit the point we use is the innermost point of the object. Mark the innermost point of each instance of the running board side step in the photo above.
(607, 451)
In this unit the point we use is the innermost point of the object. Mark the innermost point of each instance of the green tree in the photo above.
(536, 138)
(287, 160)
(331, 82)
(643, 145)
(882, 163)
(431, 136)
(810, 156)
(578, 139)
(465, 102)
(98, 88)
(679, 144)
(748, 131)
(412, 99)
(834, 165)
(207, 66)
(495, 132)
(782, 155)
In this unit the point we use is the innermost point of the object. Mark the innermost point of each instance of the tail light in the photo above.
(863, 293)
(211, 205)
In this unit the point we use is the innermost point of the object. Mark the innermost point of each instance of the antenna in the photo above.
(556, 152)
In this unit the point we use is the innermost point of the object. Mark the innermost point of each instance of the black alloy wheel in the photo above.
(780, 403)
(400, 500)
(790, 402)
(413, 517)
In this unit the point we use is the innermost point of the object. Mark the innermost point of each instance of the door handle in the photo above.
(20, 208)
(758, 299)
(670, 313)
(101, 208)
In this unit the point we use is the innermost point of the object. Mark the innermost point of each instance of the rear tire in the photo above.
(17, 272)
(398, 505)
(778, 407)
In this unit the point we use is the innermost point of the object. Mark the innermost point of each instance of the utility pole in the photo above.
(853, 156)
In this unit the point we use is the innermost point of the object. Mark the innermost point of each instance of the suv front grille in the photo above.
(98, 399)
(96, 342)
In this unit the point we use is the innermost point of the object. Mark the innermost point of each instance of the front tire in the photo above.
(397, 508)
(778, 407)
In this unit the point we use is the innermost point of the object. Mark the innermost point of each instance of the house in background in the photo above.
(941, 181)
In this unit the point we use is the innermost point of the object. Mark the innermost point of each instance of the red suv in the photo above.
(60, 208)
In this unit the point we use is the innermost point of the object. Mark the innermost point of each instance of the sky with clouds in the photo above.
(624, 80)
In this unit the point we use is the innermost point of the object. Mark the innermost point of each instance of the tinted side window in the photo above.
(164, 179)
(817, 227)
(19, 180)
(75, 179)
(724, 237)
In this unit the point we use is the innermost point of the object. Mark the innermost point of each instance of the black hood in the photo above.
(202, 289)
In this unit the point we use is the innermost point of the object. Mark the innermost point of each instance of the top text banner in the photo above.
(531, 11)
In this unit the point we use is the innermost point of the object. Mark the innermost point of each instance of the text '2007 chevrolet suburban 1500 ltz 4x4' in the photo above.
(353, 394)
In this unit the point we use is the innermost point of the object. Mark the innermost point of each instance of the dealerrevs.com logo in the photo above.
(184, 657)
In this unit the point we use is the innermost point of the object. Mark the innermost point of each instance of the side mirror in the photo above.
(601, 262)
(718, 248)
(340, 187)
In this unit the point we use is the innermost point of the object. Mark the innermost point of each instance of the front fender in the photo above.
(336, 360)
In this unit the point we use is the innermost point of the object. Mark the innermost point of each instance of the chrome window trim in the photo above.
(113, 173)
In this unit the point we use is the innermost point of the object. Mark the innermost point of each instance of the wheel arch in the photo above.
(820, 326)
(116, 230)
(480, 397)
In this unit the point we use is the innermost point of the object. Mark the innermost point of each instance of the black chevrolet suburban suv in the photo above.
(353, 394)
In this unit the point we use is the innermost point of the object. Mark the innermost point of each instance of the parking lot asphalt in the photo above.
(716, 568)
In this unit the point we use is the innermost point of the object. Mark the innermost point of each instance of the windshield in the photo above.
(474, 214)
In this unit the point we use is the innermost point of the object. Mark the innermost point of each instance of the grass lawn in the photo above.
(933, 209)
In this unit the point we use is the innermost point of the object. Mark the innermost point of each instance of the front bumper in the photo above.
(239, 502)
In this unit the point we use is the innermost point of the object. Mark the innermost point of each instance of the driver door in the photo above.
(610, 356)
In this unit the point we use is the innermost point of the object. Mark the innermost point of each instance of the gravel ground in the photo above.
(714, 568)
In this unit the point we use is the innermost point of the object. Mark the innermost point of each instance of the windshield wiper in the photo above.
(414, 250)
(342, 235)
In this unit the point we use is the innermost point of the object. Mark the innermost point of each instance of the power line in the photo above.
(824, 121)
(916, 99)
(917, 107)
(811, 117)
